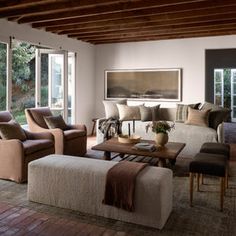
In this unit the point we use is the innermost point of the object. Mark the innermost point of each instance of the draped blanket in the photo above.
(229, 132)
(110, 127)
(120, 184)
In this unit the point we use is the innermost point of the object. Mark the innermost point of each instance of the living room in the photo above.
(188, 54)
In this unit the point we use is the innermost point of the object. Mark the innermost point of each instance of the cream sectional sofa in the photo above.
(194, 136)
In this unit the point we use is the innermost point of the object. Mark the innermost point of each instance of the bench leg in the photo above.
(191, 178)
(198, 179)
(227, 178)
(222, 190)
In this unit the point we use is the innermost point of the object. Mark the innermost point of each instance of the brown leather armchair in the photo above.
(72, 141)
(15, 154)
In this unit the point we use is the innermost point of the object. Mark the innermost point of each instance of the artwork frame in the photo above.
(164, 85)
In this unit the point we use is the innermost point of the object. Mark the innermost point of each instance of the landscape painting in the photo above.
(153, 84)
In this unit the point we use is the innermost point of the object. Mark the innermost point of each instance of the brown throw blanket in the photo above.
(120, 184)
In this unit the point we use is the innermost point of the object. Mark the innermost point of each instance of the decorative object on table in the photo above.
(161, 128)
(129, 138)
(145, 147)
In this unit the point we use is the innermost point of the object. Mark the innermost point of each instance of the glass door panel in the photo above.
(52, 81)
(56, 81)
(233, 94)
(219, 87)
(3, 76)
(23, 79)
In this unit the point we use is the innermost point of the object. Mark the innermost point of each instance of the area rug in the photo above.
(204, 218)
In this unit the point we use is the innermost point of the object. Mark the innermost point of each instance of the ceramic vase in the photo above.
(161, 139)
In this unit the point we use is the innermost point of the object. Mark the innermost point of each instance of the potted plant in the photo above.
(161, 129)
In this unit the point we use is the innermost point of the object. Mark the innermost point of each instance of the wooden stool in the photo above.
(208, 164)
(94, 120)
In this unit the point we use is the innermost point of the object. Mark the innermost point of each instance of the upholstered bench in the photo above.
(216, 148)
(79, 184)
(209, 164)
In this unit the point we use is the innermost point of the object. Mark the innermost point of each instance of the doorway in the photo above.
(225, 89)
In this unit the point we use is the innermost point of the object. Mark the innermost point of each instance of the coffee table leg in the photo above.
(162, 162)
(107, 156)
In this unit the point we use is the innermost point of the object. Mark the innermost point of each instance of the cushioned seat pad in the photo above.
(216, 148)
(209, 164)
(31, 146)
(73, 133)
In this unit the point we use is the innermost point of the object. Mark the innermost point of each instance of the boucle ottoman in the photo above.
(79, 184)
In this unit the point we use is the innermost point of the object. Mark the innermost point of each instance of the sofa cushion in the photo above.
(31, 146)
(182, 111)
(128, 112)
(111, 110)
(73, 133)
(55, 122)
(217, 114)
(198, 117)
(149, 113)
(39, 113)
(12, 130)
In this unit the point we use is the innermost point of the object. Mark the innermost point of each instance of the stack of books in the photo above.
(145, 147)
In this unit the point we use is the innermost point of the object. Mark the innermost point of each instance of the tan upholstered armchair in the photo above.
(16, 154)
(72, 141)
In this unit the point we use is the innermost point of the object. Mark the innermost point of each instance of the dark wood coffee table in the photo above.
(169, 152)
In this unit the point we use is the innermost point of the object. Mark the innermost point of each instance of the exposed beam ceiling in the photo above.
(109, 21)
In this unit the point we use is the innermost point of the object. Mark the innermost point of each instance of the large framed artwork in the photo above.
(144, 84)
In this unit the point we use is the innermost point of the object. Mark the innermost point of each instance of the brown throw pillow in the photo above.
(54, 122)
(12, 130)
(149, 113)
(198, 117)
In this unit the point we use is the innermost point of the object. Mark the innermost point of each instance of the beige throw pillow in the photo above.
(111, 110)
(128, 112)
(12, 130)
(54, 122)
(197, 117)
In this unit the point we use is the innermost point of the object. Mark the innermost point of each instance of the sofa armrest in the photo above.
(78, 126)
(41, 135)
(220, 134)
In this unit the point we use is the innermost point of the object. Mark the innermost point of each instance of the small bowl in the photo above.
(129, 139)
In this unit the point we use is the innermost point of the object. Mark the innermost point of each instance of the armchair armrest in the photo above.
(41, 135)
(12, 159)
(220, 134)
(59, 140)
(78, 126)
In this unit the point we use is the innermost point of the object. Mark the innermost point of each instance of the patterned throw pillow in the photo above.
(54, 122)
(128, 112)
(198, 117)
(111, 110)
(12, 130)
(182, 111)
(149, 113)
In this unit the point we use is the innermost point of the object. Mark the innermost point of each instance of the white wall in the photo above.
(84, 63)
(188, 54)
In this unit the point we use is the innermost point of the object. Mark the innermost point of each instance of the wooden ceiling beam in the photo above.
(150, 26)
(22, 3)
(165, 37)
(177, 12)
(158, 32)
(119, 7)
(46, 7)
(150, 22)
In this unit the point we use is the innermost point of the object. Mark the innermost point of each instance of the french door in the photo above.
(52, 80)
(233, 94)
